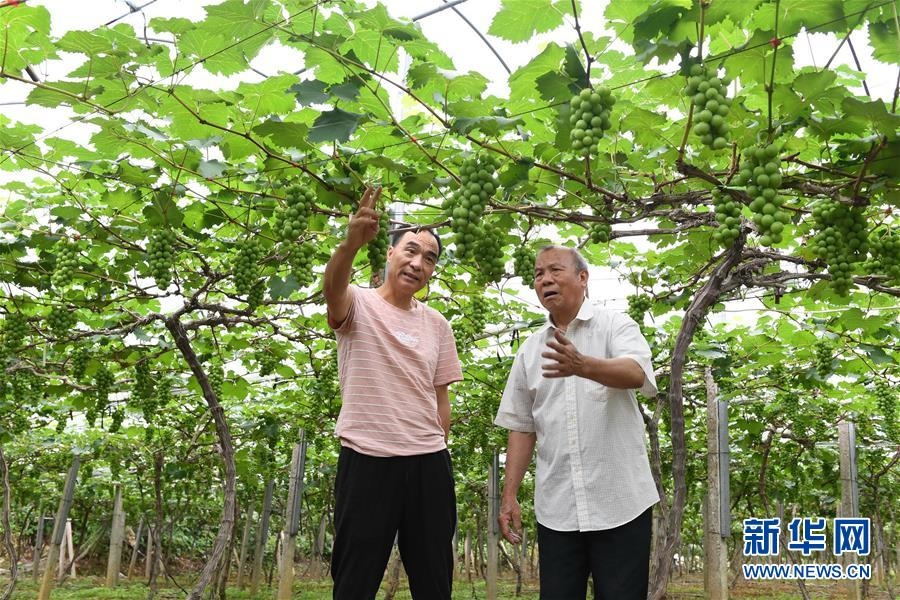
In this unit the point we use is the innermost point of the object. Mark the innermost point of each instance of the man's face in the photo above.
(412, 260)
(559, 287)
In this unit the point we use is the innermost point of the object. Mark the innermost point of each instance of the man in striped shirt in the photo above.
(396, 360)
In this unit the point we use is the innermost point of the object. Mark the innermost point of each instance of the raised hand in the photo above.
(363, 225)
(565, 358)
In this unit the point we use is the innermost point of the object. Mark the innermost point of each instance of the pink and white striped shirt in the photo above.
(390, 361)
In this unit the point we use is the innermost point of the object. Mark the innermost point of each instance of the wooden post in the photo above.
(261, 535)
(245, 543)
(292, 520)
(116, 537)
(38, 546)
(493, 527)
(59, 528)
(65, 554)
(849, 491)
(716, 513)
(134, 549)
(148, 556)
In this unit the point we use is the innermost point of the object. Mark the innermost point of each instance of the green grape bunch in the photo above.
(377, 247)
(466, 207)
(103, 382)
(761, 174)
(601, 231)
(216, 376)
(886, 397)
(61, 320)
(143, 388)
(161, 254)
(638, 305)
(301, 259)
(14, 331)
(246, 267)
(711, 107)
(80, 357)
(66, 264)
(523, 263)
(884, 246)
(292, 218)
(841, 240)
(824, 357)
(487, 254)
(728, 215)
(589, 118)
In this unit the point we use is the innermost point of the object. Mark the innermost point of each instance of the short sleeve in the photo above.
(515, 412)
(627, 341)
(449, 368)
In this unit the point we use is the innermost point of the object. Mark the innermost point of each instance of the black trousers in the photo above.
(618, 560)
(376, 499)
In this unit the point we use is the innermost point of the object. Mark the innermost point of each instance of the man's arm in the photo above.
(443, 405)
(624, 373)
(519, 449)
(362, 229)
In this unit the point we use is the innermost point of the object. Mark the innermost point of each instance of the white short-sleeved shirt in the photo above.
(390, 361)
(592, 468)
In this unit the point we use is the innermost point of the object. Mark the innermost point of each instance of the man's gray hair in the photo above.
(577, 259)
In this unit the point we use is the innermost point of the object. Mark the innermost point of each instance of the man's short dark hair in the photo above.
(397, 234)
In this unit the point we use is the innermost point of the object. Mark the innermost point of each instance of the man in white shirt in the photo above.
(570, 392)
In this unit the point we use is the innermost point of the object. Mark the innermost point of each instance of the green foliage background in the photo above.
(370, 98)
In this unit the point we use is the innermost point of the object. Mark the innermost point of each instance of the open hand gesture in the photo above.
(565, 359)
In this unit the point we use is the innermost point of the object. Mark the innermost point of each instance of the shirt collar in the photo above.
(584, 314)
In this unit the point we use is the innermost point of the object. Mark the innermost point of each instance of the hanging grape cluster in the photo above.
(487, 255)
(824, 357)
(292, 219)
(117, 415)
(841, 240)
(66, 264)
(143, 387)
(600, 231)
(268, 361)
(15, 329)
(61, 320)
(638, 305)
(523, 263)
(711, 106)
(886, 397)
(377, 248)
(161, 256)
(216, 376)
(301, 258)
(478, 182)
(589, 118)
(471, 323)
(728, 216)
(884, 245)
(789, 407)
(80, 357)
(246, 265)
(761, 174)
(103, 382)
